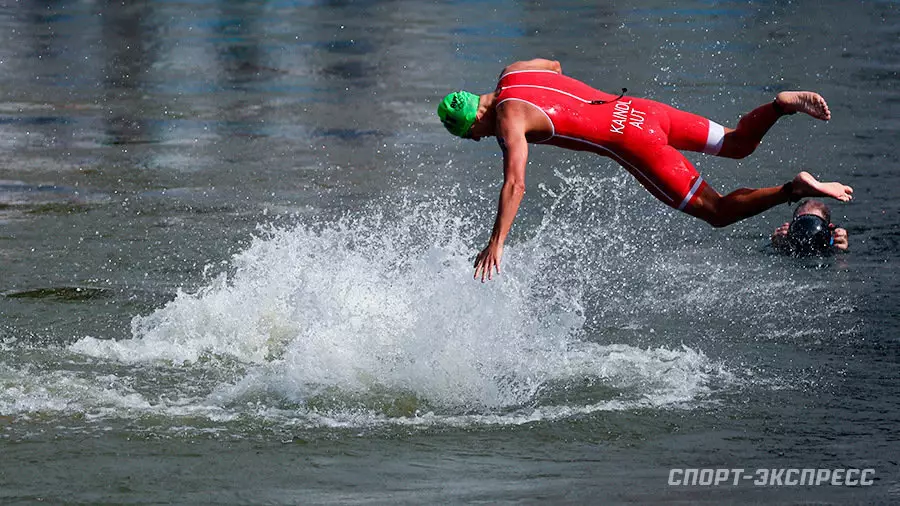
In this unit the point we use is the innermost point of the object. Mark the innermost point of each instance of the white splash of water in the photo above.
(384, 304)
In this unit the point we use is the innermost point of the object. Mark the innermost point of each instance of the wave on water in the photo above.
(376, 318)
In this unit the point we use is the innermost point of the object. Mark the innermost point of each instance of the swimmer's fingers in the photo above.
(491, 262)
(488, 261)
(782, 230)
(485, 269)
(492, 265)
(481, 265)
(841, 240)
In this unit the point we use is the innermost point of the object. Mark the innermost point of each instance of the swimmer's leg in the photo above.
(690, 132)
(672, 179)
(752, 127)
(721, 211)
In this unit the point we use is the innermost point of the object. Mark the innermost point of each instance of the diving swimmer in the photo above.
(535, 103)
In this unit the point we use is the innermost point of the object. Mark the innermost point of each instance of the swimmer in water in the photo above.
(535, 103)
(810, 232)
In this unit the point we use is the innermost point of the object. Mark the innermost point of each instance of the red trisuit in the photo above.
(642, 135)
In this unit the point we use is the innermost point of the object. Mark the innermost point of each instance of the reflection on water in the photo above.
(178, 74)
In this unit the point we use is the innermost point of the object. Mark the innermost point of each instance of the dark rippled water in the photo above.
(235, 250)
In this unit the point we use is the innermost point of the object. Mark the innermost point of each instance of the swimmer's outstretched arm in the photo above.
(515, 157)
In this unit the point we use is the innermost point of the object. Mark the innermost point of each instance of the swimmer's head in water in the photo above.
(809, 234)
(458, 111)
(813, 206)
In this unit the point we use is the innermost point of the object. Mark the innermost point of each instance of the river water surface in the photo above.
(236, 248)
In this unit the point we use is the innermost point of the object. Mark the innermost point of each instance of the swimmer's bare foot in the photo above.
(805, 185)
(804, 101)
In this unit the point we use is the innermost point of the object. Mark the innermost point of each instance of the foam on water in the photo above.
(26, 391)
(376, 316)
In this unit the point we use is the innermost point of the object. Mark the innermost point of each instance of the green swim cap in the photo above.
(457, 112)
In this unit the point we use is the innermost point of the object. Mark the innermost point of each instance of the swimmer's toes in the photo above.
(807, 102)
(815, 106)
(824, 112)
(844, 193)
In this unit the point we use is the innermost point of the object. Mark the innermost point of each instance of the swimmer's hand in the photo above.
(488, 260)
(841, 240)
(780, 237)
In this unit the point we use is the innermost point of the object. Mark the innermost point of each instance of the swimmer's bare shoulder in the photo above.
(535, 64)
